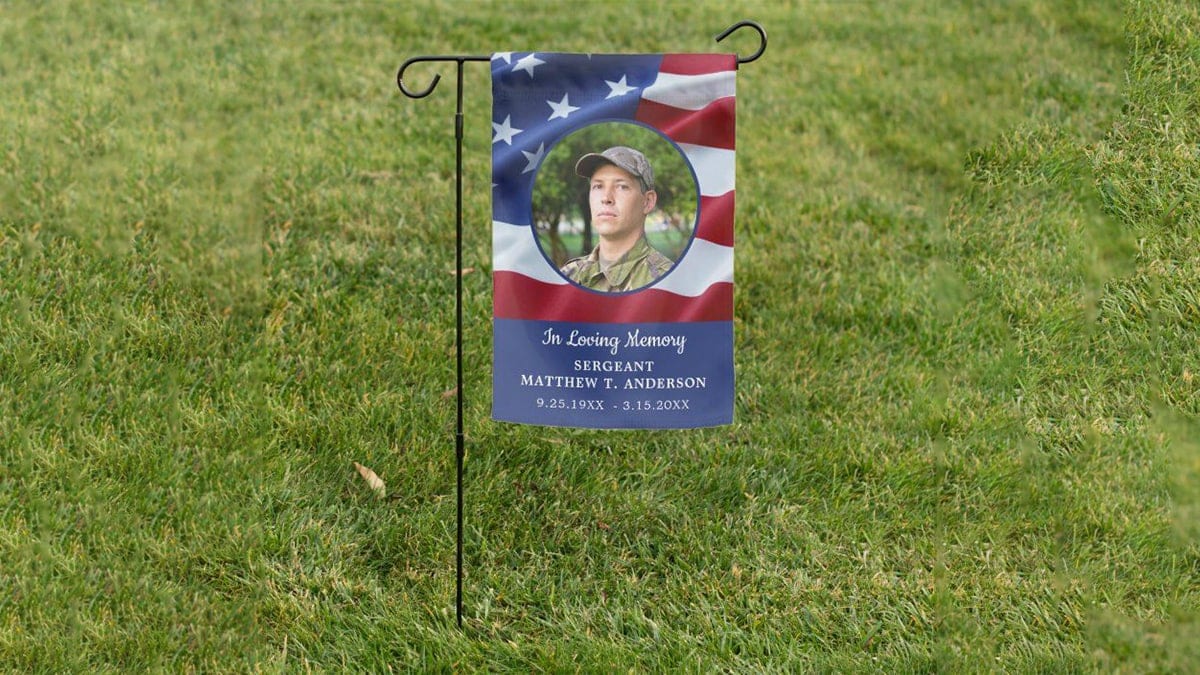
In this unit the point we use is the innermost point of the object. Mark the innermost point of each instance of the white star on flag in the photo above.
(561, 109)
(534, 158)
(527, 64)
(618, 88)
(505, 131)
(507, 56)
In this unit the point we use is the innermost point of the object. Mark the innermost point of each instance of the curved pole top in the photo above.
(461, 58)
(457, 58)
(762, 37)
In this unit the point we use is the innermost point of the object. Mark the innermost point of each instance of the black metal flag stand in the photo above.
(459, 441)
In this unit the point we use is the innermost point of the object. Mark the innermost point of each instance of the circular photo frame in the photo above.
(587, 215)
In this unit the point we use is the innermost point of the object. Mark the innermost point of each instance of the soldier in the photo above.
(621, 194)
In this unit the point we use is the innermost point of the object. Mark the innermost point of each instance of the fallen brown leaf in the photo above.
(373, 480)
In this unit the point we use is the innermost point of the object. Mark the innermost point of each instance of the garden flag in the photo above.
(613, 203)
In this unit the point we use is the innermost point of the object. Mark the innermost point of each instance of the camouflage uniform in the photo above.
(640, 266)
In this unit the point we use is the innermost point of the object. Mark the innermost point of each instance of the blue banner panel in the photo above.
(613, 376)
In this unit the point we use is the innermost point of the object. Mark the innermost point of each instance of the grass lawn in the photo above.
(967, 430)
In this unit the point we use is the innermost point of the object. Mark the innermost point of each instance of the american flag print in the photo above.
(656, 357)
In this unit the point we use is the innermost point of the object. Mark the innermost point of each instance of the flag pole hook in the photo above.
(762, 37)
(456, 58)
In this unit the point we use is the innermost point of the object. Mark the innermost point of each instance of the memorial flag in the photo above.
(657, 351)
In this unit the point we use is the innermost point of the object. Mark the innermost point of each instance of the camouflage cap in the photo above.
(626, 158)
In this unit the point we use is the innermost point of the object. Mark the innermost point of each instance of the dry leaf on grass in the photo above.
(465, 271)
(372, 479)
(450, 392)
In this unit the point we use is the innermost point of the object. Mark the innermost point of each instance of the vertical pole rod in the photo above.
(458, 342)
(459, 441)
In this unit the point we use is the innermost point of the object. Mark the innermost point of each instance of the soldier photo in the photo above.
(620, 194)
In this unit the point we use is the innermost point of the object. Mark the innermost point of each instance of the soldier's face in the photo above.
(619, 207)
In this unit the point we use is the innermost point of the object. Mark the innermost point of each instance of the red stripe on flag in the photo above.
(697, 64)
(716, 219)
(517, 296)
(712, 125)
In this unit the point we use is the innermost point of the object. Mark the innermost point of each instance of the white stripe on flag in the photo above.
(514, 251)
(690, 92)
(714, 168)
(703, 265)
